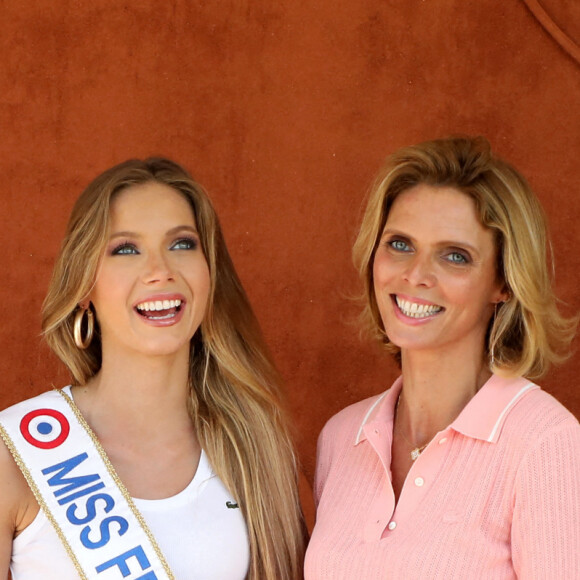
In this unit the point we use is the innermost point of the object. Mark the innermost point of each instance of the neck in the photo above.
(136, 392)
(436, 388)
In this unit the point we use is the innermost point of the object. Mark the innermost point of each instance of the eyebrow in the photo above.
(171, 232)
(450, 243)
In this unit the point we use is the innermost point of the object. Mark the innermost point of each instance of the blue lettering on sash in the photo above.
(79, 486)
(105, 533)
(81, 493)
(71, 512)
(65, 468)
(121, 563)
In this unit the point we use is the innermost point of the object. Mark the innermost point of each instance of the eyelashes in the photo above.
(451, 255)
(185, 244)
(399, 245)
(457, 258)
(126, 247)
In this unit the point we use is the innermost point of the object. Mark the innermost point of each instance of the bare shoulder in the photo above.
(18, 507)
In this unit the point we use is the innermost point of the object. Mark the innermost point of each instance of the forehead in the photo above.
(150, 203)
(438, 213)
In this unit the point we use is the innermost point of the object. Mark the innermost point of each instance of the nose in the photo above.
(158, 269)
(419, 271)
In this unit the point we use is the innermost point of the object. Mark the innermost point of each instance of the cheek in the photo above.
(378, 282)
(108, 291)
(200, 280)
(458, 290)
(382, 270)
(471, 297)
(382, 286)
(108, 282)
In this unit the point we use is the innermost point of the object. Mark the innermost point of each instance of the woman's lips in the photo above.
(416, 310)
(161, 310)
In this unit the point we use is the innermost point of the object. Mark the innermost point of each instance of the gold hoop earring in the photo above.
(77, 328)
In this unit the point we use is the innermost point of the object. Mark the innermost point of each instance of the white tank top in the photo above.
(201, 537)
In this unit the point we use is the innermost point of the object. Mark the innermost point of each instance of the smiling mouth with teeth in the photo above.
(159, 309)
(414, 310)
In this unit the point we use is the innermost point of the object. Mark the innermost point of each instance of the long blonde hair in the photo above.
(234, 387)
(527, 334)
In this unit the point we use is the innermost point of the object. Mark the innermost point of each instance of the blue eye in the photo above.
(399, 245)
(184, 244)
(457, 258)
(124, 249)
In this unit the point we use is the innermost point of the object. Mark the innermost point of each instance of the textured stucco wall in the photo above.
(284, 110)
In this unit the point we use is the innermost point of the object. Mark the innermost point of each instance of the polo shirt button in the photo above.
(392, 525)
(419, 481)
(377, 432)
(442, 440)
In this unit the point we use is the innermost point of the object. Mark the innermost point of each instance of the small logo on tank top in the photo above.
(232, 505)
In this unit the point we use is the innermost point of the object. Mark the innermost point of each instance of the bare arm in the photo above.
(17, 507)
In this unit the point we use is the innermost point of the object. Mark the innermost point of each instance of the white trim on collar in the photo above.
(368, 414)
(499, 421)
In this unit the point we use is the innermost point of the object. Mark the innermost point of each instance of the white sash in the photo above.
(77, 488)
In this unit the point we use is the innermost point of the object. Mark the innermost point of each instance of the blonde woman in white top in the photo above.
(175, 382)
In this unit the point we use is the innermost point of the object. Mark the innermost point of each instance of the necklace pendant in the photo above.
(415, 453)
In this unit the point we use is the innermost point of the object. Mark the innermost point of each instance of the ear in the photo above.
(502, 294)
(84, 304)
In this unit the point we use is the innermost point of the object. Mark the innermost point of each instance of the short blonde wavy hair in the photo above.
(527, 333)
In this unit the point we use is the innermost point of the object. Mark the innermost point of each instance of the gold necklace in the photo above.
(417, 450)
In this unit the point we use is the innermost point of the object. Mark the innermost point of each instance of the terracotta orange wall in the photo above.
(284, 111)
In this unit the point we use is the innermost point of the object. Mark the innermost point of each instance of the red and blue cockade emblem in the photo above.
(45, 428)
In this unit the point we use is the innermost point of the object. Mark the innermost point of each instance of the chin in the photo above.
(411, 342)
(166, 348)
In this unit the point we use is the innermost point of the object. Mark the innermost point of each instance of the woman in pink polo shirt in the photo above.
(464, 468)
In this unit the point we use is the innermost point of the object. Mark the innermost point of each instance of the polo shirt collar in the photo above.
(381, 411)
(482, 418)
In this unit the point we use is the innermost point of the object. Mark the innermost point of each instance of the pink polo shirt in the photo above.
(496, 495)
